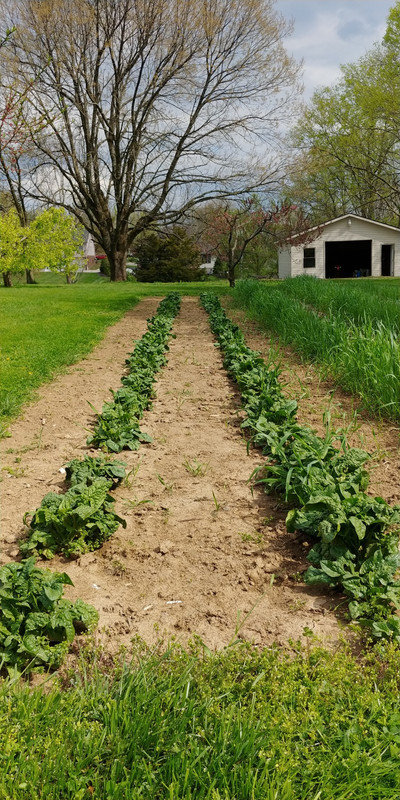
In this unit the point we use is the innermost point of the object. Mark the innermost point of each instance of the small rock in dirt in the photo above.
(165, 547)
(14, 553)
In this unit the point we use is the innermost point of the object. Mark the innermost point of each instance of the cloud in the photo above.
(328, 33)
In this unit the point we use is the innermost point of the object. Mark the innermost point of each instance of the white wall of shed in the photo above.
(341, 231)
(284, 263)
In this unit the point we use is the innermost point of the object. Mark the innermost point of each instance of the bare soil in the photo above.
(201, 553)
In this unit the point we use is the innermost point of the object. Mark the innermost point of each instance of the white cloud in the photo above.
(328, 33)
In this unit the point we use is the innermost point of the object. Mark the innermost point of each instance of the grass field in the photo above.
(242, 724)
(44, 328)
(239, 725)
(350, 329)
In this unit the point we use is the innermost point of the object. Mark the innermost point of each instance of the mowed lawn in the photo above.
(44, 328)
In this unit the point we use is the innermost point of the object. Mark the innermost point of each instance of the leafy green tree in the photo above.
(53, 241)
(348, 140)
(11, 235)
(168, 257)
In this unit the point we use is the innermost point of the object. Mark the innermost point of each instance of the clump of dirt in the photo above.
(202, 554)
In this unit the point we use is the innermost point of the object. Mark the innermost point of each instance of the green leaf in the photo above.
(358, 526)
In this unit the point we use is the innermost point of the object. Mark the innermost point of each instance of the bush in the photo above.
(168, 259)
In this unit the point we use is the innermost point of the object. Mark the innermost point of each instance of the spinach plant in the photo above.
(117, 426)
(86, 470)
(72, 523)
(37, 625)
(356, 536)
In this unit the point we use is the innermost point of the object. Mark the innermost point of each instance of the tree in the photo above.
(15, 145)
(147, 104)
(53, 241)
(348, 139)
(231, 229)
(170, 257)
(10, 245)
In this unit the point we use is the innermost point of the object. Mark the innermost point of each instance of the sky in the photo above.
(328, 33)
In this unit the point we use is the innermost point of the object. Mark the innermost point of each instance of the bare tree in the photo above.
(229, 229)
(149, 105)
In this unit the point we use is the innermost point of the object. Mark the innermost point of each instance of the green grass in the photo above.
(240, 725)
(43, 328)
(350, 331)
(360, 301)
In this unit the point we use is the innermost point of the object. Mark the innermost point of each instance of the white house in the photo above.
(346, 247)
(208, 263)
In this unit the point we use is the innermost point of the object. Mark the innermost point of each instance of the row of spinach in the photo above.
(356, 539)
(84, 517)
(37, 625)
(118, 424)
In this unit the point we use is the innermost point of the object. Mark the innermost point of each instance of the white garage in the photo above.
(345, 247)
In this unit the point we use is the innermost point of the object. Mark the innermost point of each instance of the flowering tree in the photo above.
(231, 229)
(16, 152)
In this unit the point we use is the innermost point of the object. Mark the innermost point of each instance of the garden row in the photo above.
(352, 335)
(36, 623)
(356, 540)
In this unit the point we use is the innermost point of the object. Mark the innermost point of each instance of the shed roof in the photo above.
(345, 216)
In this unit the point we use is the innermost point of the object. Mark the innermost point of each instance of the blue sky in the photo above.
(328, 33)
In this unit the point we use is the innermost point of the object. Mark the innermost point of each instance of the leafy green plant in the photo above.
(72, 523)
(117, 426)
(37, 625)
(86, 470)
(356, 547)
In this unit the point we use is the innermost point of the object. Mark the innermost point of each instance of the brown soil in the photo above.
(201, 554)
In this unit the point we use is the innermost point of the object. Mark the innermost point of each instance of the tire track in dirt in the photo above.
(200, 554)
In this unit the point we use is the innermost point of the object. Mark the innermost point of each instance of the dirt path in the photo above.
(54, 429)
(314, 396)
(200, 554)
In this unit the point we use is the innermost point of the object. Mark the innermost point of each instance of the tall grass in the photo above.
(239, 725)
(360, 352)
(359, 301)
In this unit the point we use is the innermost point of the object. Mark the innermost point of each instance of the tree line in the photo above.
(132, 115)
(347, 141)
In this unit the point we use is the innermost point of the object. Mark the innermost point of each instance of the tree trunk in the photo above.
(29, 276)
(231, 275)
(68, 277)
(117, 261)
(7, 279)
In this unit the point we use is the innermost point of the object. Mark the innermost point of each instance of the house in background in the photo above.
(90, 253)
(346, 247)
(208, 263)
